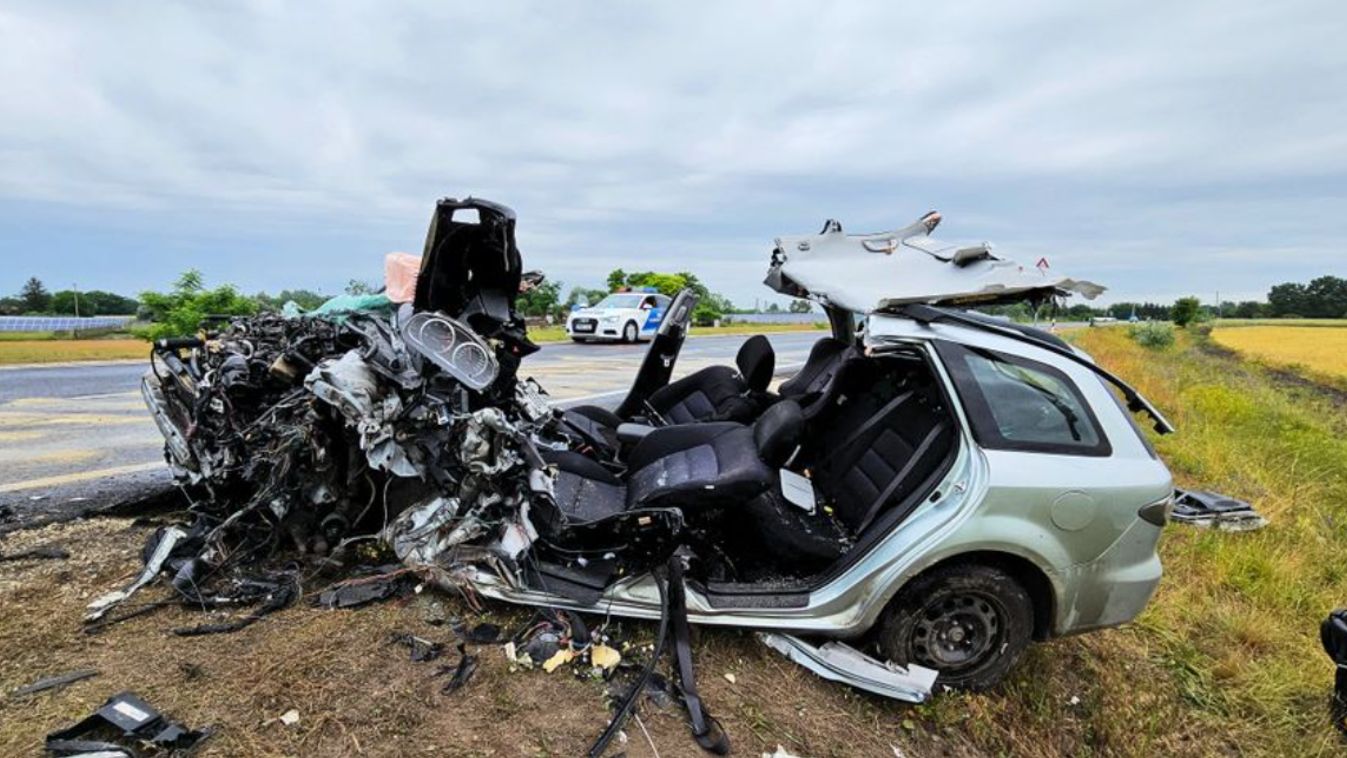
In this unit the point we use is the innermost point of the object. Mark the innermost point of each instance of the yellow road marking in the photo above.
(55, 456)
(11, 419)
(79, 476)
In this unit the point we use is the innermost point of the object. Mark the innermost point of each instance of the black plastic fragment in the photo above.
(1333, 635)
(124, 723)
(44, 553)
(463, 671)
(282, 594)
(53, 682)
(483, 634)
(422, 650)
(353, 593)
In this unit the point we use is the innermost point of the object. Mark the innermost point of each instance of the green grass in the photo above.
(1226, 658)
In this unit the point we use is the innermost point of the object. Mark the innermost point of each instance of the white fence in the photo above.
(61, 323)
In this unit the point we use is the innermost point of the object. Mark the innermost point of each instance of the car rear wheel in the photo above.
(629, 332)
(972, 623)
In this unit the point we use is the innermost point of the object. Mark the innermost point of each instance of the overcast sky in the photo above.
(1180, 148)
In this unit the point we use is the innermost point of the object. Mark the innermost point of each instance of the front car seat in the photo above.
(694, 468)
(715, 393)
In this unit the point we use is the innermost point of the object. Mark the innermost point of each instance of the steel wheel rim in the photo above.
(957, 631)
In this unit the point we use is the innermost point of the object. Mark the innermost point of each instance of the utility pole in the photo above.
(76, 287)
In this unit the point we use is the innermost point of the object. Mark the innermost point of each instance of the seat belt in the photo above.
(705, 729)
(899, 477)
(869, 424)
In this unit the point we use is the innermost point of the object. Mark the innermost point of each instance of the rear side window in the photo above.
(1014, 403)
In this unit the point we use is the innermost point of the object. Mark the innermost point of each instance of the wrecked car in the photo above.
(929, 493)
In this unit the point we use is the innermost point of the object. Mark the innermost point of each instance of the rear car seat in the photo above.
(876, 458)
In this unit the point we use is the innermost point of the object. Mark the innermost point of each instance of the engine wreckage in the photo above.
(404, 423)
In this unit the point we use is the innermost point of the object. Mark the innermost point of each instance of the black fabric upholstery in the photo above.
(584, 490)
(817, 370)
(777, 431)
(757, 362)
(799, 540)
(708, 466)
(697, 396)
(908, 442)
(715, 393)
(819, 382)
(597, 424)
(693, 467)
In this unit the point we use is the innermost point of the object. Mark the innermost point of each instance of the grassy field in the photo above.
(62, 350)
(1225, 661)
(1311, 350)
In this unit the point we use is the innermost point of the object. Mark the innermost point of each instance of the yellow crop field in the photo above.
(1314, 350)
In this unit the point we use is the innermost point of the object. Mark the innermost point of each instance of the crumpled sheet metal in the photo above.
(839, 662)
(870, 272)
(101, 605)
(349, 385)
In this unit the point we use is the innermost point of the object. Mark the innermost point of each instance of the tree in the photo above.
(358, 287)
(541, 300)
(10, 306)
(92, 303)
(617, 278)
(34, 295)
(1249, 309)
(1185, 311)
(179, 313)
(305, 299)
(190, 281)
(1286, 299)
(1326, 297)
(588, 296)
(801, 306)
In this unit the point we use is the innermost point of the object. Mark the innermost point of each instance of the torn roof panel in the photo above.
(874, 272)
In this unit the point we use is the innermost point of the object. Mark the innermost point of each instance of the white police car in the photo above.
(621, 316)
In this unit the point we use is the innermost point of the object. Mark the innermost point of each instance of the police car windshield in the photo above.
(621, 301)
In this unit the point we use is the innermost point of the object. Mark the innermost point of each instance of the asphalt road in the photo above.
(75, 433)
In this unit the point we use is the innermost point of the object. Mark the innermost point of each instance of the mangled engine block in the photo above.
(319, 431)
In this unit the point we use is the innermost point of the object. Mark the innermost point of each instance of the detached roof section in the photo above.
(876, 272)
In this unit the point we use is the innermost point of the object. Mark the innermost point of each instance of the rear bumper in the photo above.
(1114, 588)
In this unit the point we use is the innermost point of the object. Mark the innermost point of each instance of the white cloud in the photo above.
(689, 135)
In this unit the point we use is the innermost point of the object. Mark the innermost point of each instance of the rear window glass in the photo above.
(1017, 404)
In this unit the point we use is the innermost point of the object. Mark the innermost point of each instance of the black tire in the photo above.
(631, 334)
(972, 623)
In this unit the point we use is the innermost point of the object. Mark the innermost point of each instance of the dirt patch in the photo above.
(357, 695)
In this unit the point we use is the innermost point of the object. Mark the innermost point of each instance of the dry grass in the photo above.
(1224, 662)
(1312, 350)
(60, 351)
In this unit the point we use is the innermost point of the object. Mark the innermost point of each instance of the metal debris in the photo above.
(1209, 510)
(54, 682)
(43, 553)
(839, 662)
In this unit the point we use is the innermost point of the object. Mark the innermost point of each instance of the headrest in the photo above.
(757, 362)
(777, 432)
